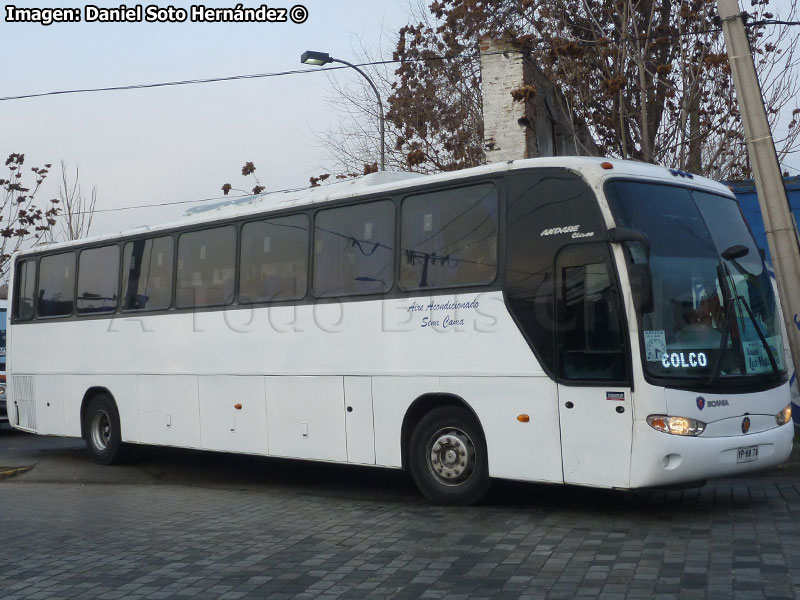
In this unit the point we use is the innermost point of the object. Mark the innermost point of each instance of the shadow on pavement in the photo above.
(65, 460)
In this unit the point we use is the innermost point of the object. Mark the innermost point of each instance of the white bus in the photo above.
(3, 323)
(565, 320)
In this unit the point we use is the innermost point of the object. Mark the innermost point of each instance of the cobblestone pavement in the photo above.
(310, 531)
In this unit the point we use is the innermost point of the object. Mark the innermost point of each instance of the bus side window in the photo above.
(354, 249)
(25, 282)
(147, 274)
(98, 280)
(590, 341)
(449, 238)
(56, 295)
(274, 264)
(206, 267)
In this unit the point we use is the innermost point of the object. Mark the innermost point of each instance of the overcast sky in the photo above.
(151, 146)
(179, 143)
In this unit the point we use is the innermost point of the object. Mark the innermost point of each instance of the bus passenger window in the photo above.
(147, 274)
(206, 267)
(98, 280)
(25, 281)
(354, 249)
(274, 263)
(449, 238)
(56, 295)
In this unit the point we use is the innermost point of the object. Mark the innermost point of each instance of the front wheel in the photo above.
(101, 430)
(448, 458)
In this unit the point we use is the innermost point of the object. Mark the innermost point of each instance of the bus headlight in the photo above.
(3, 392)
(785, 415)
(676, 425)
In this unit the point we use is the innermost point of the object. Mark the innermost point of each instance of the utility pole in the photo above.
(781, 233)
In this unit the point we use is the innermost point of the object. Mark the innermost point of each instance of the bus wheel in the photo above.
(447, 457)
(102, 431)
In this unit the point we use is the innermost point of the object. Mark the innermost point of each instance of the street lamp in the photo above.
(319, 59)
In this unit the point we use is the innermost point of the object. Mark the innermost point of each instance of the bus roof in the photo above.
(388, 182)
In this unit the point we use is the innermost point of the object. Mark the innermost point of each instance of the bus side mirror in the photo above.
(626, 234)
(639, 273)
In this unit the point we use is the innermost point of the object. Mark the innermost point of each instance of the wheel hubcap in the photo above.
(101, 430)
(451, 458)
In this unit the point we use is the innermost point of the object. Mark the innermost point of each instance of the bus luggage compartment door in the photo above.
(593, 393)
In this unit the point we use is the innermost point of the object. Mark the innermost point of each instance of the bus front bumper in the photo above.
(663, 459)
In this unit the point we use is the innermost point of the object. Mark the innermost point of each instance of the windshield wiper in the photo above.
(760, 333)
(732, 255)
(731, 295)
(726, 327)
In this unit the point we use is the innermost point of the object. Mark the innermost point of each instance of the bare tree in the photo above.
(355, 140)
(649, 78)
(22, 223)
(77, 210)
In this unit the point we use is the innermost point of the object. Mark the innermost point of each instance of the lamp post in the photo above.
(319, 59)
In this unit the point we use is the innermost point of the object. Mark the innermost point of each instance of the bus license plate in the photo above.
(744, 455)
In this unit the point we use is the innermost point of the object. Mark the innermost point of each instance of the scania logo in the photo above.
(702, 403)
(745, 424)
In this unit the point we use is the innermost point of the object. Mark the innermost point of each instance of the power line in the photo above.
(772, 22)
(141, 86)
(178, 202)
(166, 84)
(540, 45)
(796, 170)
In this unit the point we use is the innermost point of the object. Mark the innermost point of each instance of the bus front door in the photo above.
(593, 390)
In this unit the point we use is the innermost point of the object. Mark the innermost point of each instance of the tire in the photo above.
(447, 457)
(102, 432)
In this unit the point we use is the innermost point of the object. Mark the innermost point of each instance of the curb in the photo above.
(9, 472)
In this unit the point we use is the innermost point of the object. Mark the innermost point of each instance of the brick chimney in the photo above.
(534, 125)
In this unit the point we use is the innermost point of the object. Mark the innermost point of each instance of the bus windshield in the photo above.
(714, 313)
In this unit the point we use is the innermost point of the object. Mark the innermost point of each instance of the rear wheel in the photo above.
(101, 430)
(447, 457)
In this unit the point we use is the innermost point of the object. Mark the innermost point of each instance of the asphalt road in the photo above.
(203, 525)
